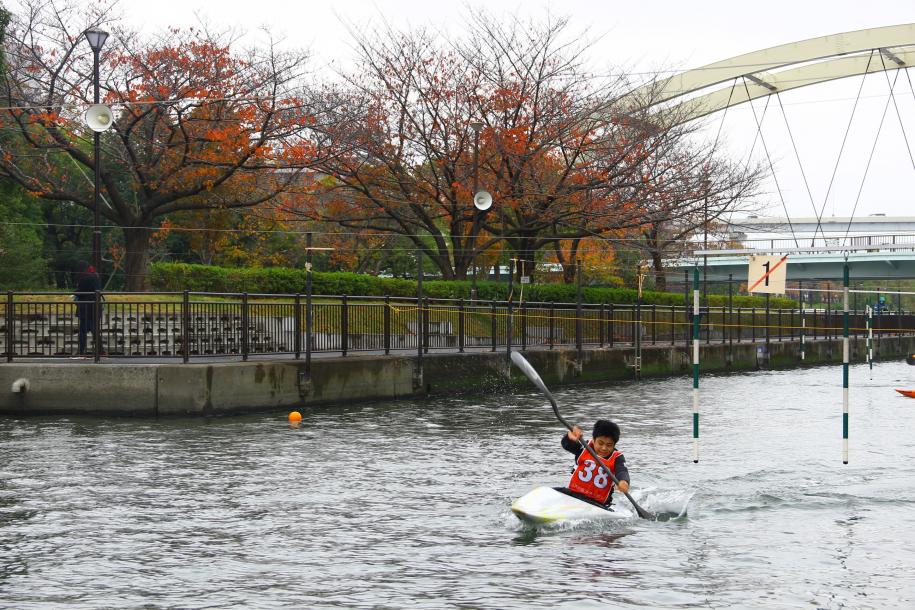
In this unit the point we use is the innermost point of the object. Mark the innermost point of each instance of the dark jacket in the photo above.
(87, 282)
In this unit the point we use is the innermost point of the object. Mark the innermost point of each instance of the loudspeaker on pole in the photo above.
(99, 117)
(482, 201)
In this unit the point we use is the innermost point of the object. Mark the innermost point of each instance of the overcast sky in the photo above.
(663, 34)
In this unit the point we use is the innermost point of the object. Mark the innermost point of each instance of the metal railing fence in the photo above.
(196, 325)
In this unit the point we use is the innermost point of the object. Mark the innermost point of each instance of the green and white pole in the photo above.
(696, 365)
(869, 324)
(803, 324)
(845, 358)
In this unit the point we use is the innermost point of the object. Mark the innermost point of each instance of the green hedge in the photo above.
(174, 277)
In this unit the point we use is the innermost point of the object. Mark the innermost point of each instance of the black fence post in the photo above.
(245, 332)
(419, 309)
(724, 324)
(426, 311)
(600, 325)
(387, 325)
(461, 326)
(802, 319)
(10, 320)
(673, 326)
(510, 307)
(578, 312)
(792, 324)
(344, 325)
(186, 323)
(97, 328)
(739, 324)
(309, 311)
(523, 326)
(731, 317)
(492, 319)
(813, 324)
(297, 326)
(708, 321)
(654, 323)
(552, 323)
(610, 327)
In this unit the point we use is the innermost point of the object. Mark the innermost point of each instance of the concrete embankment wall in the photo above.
(231, 387)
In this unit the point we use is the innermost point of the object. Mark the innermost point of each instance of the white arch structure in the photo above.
(785, 67)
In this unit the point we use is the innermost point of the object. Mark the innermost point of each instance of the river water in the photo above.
(406, 504)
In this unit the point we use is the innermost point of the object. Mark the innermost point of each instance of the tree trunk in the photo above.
(660, 278)
(136, 260)
(569, 267)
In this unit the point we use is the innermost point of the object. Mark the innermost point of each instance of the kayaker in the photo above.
(588, 479)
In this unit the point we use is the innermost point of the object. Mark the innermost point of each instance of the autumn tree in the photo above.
(400, 143)
(199, 124)
(565, 153)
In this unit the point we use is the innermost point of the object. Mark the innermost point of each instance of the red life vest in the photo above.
(590, 480)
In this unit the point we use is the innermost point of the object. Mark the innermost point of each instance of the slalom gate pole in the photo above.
(869, 324)
(803, 323)
(696, 365)
(845, 358)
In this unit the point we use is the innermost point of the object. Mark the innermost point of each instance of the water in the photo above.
(406, 504)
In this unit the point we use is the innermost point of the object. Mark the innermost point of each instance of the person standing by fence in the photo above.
(87, 283)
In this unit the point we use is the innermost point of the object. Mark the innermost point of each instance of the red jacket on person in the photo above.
(589, 479)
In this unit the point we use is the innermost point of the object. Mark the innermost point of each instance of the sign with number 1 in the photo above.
(767, 274)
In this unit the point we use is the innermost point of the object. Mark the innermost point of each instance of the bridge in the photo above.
(874, 224)
(878, 264)
(875, 246)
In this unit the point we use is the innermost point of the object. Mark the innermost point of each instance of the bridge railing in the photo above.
(875, 243)
(188, 326)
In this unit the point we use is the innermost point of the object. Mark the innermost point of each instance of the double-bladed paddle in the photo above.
(526, 368)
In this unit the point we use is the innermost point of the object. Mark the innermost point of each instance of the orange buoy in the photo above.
(295, 417)
(909, 393)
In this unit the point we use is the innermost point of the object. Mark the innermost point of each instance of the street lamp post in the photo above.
(96, 39)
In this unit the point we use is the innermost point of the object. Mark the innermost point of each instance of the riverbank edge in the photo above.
(174, 389)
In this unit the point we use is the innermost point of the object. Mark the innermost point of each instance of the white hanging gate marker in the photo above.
(767, 274)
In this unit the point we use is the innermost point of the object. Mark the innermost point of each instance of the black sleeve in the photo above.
(571, 446)
(620, 470)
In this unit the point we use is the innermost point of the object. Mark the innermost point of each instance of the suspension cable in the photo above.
(771, 165)
(797, 156)
(870, 158)
(898, 114)
(841, 150)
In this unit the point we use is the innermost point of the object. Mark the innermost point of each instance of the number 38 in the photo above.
(600, 480)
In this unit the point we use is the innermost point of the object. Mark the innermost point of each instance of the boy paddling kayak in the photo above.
(588, 479)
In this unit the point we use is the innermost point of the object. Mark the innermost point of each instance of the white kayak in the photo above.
(544, 505)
